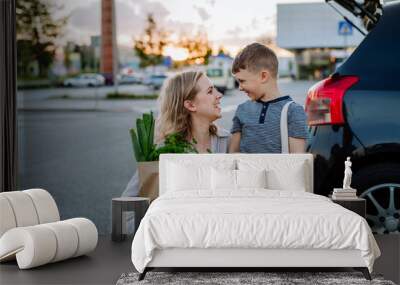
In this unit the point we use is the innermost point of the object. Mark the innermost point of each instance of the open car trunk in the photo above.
(369, 11)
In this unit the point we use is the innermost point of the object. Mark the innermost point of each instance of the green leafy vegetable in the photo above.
(143, 141)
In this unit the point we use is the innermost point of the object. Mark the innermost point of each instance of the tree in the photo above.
(222, 51)
(149, 47)
(198, 47)
(37, 31)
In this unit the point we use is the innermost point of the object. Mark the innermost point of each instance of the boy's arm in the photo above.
(236, 131)
(234, 143)
(297, 129)
(297, 145)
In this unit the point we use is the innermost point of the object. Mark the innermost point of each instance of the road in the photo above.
(80, 150)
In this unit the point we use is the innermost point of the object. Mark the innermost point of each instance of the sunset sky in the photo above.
(228, 23)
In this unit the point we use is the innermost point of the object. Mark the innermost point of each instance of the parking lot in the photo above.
(80, 150)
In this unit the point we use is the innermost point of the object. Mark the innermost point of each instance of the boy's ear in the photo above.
(265, 75)
(189, 106)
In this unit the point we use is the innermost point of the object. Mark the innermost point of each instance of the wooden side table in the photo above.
(120, 208)
(357, 205)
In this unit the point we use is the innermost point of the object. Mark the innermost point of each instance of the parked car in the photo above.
(355, 112)
(108, 78)
(221, 78)
(156, 80)
(85, 80)
(129, 79)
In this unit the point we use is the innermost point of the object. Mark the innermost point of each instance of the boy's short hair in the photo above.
(255, 57)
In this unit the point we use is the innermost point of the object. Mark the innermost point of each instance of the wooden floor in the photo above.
(110, 259)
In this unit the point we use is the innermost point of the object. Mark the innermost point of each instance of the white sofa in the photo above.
(217, 210)
(31, 231)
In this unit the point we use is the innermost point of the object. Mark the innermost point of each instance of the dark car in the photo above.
(356, 113)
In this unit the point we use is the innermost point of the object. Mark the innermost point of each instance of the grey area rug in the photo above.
(228, 278)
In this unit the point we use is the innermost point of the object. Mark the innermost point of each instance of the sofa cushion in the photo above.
(45, 206)
(23, 208)
(7, 215)
(27, 208)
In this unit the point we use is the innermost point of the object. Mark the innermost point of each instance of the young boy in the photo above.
(257, 122)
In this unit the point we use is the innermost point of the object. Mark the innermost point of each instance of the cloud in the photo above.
(82, 23)
(181, 28)
(143, 8)
(255, 23)
(235, 31)
(211, 3)
(85, 20)
(204, 15)
(233, 43)
(236, 39)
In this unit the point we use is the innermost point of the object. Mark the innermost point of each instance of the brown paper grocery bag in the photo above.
(148, 179)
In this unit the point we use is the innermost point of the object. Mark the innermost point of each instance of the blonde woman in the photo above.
(189, 105)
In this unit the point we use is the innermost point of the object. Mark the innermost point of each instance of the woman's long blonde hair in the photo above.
(173, 116)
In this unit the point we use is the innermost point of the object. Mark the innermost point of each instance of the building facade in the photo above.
(318, 36)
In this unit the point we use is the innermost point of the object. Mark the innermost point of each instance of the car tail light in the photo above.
(325, 100)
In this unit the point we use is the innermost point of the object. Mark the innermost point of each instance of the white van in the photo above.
(221, 77)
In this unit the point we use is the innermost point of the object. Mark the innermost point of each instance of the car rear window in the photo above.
(376, 59)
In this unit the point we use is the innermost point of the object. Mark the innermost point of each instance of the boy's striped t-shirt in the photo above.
(259, 124)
